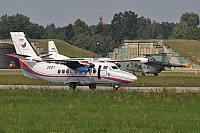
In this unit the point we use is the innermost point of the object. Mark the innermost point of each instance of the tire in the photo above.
(72, 86)
(92, 86)
(116, 87)
(155, 74)
(143, 74)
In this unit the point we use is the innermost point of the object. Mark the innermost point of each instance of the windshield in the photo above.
(114, 67)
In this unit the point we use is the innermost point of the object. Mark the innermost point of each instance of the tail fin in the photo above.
(52, 48)
(188, 65)
(22, 46)
(53, 52)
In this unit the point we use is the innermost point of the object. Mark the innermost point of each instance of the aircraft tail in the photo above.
(21, 44)
(53, 52)
(52, 48)
(188, 65)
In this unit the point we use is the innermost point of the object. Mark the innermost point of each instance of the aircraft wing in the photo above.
(79, 65)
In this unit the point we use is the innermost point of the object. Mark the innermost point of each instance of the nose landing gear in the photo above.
(116, 87)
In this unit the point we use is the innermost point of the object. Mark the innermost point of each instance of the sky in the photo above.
(64, 12)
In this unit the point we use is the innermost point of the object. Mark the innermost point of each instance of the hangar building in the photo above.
(5, 61)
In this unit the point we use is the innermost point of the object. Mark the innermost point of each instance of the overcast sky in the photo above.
(63, 12)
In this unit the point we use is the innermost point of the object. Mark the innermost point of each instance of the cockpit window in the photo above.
(105, 67)
(151, 58)
(114, 67)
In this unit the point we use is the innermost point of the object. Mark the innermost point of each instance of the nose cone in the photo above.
(127, 77)
(131, 78)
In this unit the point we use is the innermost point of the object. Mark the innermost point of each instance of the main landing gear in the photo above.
(72, 86)
(155, 74)
(92, 86)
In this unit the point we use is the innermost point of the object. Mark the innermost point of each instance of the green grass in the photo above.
(38, 110)
(168, 79)
(187, 48)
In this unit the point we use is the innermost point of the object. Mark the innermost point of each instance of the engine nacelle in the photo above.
(82, 69)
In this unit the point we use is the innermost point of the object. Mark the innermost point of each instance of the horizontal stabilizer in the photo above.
(17, 55)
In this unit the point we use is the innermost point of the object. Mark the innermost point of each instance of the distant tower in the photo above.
(100, 19)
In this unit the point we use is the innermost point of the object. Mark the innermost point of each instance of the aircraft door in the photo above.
(99, 72)
(102, 73)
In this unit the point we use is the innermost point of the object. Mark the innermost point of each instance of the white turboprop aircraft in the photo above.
(57, 68)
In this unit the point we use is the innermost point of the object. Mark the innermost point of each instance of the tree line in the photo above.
(102, 38)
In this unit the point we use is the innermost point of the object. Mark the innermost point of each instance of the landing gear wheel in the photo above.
(116, 87)
(92, 86)
(155, 74)
(72, 86)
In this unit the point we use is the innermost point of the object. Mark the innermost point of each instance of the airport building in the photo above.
(7, 62)
(140, 48)
(136, 48)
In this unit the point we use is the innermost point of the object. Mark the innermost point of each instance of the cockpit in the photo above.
(150, 58)
(111, 67)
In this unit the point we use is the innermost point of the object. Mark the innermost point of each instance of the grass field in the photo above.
(187, 48)
(66, 49)
(37, 110)
(45, 110)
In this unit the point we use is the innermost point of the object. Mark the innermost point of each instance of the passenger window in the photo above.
(105, 67)
(76, 71)
(59, 71)
(63, 71)
(67, 71)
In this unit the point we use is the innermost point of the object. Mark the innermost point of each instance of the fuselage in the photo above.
(149, 68)
(102, 73)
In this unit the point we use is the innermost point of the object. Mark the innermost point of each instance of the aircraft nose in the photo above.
(133, 78)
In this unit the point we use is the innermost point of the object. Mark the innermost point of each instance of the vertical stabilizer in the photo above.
(190, 63)
(52, 48)
(22, 46)
(54, 52)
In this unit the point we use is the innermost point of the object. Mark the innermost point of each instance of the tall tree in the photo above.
(69, 34)
(167, 29)
(144, 28)
(124, 26)
(81, 27)
(19, 22)
(187, 25)
(50, 29)
(34, 31)
(156, 30)
(191, 19)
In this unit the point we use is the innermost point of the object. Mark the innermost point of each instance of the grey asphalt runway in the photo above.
(128, 89)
